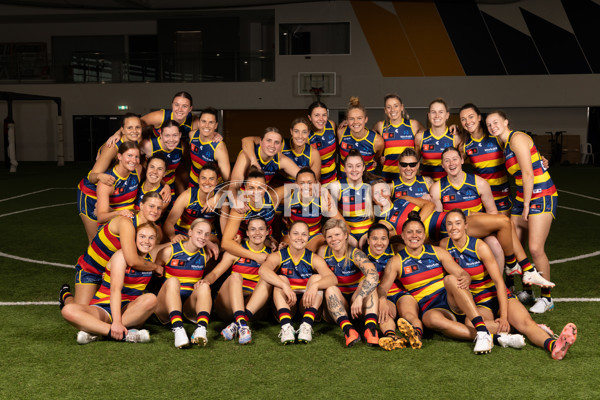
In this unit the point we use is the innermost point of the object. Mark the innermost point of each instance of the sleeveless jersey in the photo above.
(88, 188)
(185, 127)
(267, 211)
(466, 196)
(542, 183)
(435, 226)
(124, 190)
(248, 268)
(487, 157)
(422, 276)
(142, 192)
(353, 207)
(431, 153)
(270, 167)
(347, 273)
(301, 160)
(185, 266)
(102, 248)
(397, 214)
(200, 153)
(326, 144)
(310, 213)
(366, 147)
(380, 263)
(193, 211)
(173, 158)
(134, 284)
(397, 138)
(482, 287)
(297, 272)
(416, 189)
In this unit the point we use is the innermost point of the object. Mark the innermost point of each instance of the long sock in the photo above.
(176, 319)
(546, 293)
(549, 344)
(285, 316)
(389, 332)
(479, 324)
(241, 318)
(371, 322)
(249, 314)
(66, 295)
(309, 315)
(510, 260)
(345, 324)
(202, 319)
(509, 281)
(418, 331)
(525, 264)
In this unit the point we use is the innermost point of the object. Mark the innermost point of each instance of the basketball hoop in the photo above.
(317, 92)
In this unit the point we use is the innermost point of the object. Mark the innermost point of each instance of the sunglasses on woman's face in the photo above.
(408, 164)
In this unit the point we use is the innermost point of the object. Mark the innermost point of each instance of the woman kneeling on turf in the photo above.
(243, 293)
(184, 292)
(490, 294)
(300, 272)
(119, 303)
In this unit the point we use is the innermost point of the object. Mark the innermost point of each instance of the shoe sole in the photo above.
(184, 346)
(226, 338)
(565, 341)
(246, 342)
(483, 352)
(288, 342)
(526, 282)
(304, 341)
(513, 273)
(408, 330)
(199, 341)
(352, 343)
(392, 343)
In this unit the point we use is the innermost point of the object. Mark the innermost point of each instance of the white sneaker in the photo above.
(516, 270)
(137, 336)
(199, 336)
(287, 334)
(533, 277)
(542, 305)
(525, 297)
(230, 331)
(85, 338)
(305, 333)
(245, 335)
(515, 341)
(181, 337)
(483, 343)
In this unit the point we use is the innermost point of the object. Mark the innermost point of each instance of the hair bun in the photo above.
(414, 216)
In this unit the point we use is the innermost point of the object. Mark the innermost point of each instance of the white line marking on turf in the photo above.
(26, 194)
(564, 260)
(34, 303)
(580, 195)
(577, 209)
(37, 208)
(573, 299)
(2, 254)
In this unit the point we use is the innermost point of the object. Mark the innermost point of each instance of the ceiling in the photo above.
(177, 5)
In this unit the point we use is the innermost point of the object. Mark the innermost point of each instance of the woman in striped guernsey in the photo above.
(357, 279)
(299, 150)
(185, 291)
(300, 272)
(323, 137)
(243, 294)
(155, 172)
(119, 198)
(493, 300)
(120, 303)
(398, 132)
(534, 207)
(409, 182)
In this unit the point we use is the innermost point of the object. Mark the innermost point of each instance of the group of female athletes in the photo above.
(377, 230)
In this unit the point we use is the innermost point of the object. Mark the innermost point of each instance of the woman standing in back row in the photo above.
(536, 198)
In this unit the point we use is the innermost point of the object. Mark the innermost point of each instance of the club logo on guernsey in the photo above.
(470, 152)
(411, 268)
(446, 199)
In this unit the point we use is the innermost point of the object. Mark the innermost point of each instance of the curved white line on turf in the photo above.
(2, 254)
(37, 208)
(39, 303)
(580, 195)
(23, 195)
(577, 209)
(564, 260)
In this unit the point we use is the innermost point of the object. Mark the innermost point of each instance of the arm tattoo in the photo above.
(335, 306)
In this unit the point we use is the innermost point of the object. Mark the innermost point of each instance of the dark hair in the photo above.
(412, 216)
(441, 101)
(158, 156)
(501, 114)
(184, 95)
(316, 104)
(451, 148)
(128, 146)
(300, 120)
(171, 124)
(298, 222)
(458, 211)
(391, 96)
(212, 111)
(127, 116)
(151, 195)
(377, 226)
(255, 173)
(354, 153)
(473, 107)
(409, 152)
(271, 129)
(306, 170)
(210, 166)
(256, 218)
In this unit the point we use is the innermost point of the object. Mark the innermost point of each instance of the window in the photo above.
(326, 38)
